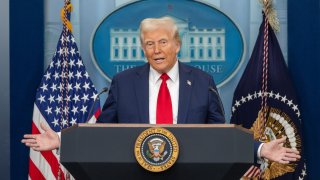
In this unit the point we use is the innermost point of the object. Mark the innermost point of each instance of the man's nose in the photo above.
(157, 48)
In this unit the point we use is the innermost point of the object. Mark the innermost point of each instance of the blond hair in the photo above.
(150, 24)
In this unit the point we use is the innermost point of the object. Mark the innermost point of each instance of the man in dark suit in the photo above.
(163, 91)
(133, 95)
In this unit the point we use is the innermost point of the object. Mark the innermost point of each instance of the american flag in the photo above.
(63, 99)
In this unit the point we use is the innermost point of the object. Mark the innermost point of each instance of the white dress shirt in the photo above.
(173, 86)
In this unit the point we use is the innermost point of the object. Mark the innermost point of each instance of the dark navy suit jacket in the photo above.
(128, 100)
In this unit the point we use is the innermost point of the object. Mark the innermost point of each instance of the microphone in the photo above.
(218, 97)
(105, 89)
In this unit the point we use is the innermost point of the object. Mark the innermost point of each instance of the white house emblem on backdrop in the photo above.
(197, 44)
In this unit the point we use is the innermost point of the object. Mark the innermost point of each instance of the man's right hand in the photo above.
(48, 140)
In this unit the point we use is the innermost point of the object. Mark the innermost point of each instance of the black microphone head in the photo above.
(105, 89)
(211, 89)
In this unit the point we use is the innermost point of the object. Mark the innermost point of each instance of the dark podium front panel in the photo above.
(106, 151)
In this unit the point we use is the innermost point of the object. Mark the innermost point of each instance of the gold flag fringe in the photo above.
(271, 14)
(64, 18)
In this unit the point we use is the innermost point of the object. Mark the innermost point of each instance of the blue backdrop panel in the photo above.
(26, 69)
(304, 66)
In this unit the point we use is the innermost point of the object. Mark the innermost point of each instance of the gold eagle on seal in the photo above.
(156, 149)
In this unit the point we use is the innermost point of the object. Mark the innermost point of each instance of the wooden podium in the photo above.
(207, 151)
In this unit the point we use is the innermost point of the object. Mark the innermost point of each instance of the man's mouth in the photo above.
(159, 60)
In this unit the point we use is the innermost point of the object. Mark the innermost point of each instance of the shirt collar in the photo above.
(173, 73)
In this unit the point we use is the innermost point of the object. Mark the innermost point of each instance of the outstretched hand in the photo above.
(48, 140)
(275, 151)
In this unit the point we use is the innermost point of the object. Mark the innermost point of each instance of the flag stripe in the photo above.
(248, 171)
(256, 172)
(252, 172)
(34, 172)
(95, 117)
(97, 114)
(41, 164)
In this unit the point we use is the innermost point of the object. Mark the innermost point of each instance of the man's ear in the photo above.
(178, 45)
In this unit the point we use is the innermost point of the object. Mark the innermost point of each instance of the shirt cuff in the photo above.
(59, 134)
(259, 153)
(58, 149)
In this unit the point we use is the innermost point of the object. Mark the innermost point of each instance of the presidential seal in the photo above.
(156, 149)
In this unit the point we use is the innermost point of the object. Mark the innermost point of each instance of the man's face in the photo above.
(161, 49)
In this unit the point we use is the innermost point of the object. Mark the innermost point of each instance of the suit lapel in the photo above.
(185, 89)
(142, 93)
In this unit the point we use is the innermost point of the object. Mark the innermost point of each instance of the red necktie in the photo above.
(164, 105)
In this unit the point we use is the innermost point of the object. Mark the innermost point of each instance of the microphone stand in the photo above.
(218, 97)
